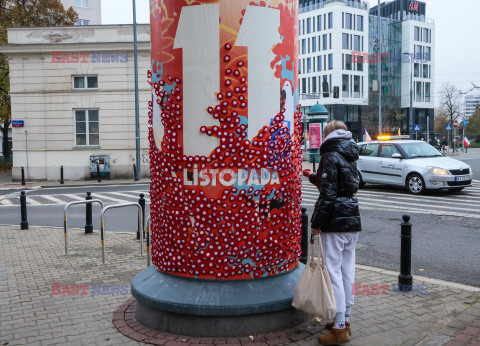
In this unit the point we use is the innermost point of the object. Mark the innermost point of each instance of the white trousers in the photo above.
(339, 253)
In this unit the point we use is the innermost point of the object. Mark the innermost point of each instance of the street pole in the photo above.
(463, 139)
(26, 151)
(379, 72)
(410, 121)
(137, 110)
(428, 129)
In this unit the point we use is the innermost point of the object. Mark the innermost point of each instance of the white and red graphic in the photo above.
(225, 139)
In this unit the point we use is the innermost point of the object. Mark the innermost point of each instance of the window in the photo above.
(314, 85)
(348, 62)
(359, 63)
(416, 34)
(309, 25)
(356, 42)
(348, 21)
(345, 41)
(330, 20)
(85, 82)
(304, 85)
(356, 86)
(82, 22)
(330, 41)
(314, 44)
(369, 150)
(300, 28)
(330, 61)
(418, 92)
(345, 85)
(325, 42)
(427, 92)
(360, 23)
(418, 52)
(299, 66)
(319, 23)
(425, 71)
(388, 150)
(86, 127)
(416, 69)
(309, 65)
(319, 63)
(428, 53)
(304, 46)
(81, 3)
(426, 35)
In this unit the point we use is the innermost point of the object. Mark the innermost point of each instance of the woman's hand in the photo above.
(315, 232)
(307, 173)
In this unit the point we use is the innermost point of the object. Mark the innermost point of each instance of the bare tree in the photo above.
(451, 102)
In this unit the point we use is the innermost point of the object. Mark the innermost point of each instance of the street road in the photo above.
(446, 231)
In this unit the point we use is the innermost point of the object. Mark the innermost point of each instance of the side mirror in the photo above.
(397, 156)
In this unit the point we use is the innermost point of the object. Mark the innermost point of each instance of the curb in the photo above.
(113, 183)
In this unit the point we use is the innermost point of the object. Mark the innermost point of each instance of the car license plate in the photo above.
(464, 178)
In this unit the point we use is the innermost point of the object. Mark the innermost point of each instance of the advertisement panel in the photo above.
(225, 139)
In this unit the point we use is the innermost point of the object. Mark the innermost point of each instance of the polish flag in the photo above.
(367, 136)
(466, 142)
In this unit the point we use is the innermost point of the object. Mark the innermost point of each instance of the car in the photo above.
(414, 164)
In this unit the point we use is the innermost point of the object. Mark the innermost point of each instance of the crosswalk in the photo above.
(458, 204)
(61, 199)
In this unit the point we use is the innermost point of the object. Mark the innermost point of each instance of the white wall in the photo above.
(93, 12)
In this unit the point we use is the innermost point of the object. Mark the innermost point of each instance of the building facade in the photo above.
(471, 103)
(89, 11)
(405, 51)
(73, 87)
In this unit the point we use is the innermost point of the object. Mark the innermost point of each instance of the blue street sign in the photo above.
(18, 123)
(449, 127)
(465, 123)
(417, 128)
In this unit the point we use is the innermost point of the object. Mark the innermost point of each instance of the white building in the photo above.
(89, 11)
(74, 89)
(329, 34)
(471, 103)
(330, 59)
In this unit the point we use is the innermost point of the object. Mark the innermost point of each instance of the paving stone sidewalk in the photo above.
(31, 312)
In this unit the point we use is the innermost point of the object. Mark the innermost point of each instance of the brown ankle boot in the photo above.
(330, 325)
(335, 337)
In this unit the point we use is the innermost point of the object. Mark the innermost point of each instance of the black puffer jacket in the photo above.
(337, 207)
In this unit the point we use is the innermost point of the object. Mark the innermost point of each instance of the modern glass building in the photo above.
(471, 102)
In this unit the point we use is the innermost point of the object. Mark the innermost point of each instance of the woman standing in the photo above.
(337, 219)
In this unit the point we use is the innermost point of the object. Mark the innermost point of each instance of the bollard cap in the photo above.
(89, 193)
(406, 218)
(142, 195)
(304, 210)
(23, 192)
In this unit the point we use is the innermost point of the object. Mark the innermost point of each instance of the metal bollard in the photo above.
(148, 244)
(99, 179)
(135, 173)
(314, 169)
(23, 210)
(88, 215)
(61, 175)
(23, 176)
(304, 256)
(141, 201)
(405, 278)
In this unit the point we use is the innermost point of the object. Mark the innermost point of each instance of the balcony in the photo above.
(419, 18)
(348, 3)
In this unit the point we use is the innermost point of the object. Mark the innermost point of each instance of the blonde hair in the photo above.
(333, 126)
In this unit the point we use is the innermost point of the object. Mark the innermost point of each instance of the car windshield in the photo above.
(419, 150)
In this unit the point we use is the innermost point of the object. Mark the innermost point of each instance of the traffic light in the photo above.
(336, 92)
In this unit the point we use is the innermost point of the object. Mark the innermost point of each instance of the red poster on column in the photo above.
(225, 138)
(315, 136)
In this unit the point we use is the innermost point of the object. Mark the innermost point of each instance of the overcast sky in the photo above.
(457, 36)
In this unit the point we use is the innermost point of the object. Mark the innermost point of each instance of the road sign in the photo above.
(456, 123)
(417, 128)
(465, 123)
(18, 123)
(449, 127)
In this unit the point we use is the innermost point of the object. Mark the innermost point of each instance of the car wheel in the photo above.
(415, 184)
(361, 184)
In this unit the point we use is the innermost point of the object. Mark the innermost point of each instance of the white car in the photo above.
(414, 164)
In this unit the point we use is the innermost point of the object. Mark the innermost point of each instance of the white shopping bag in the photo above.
(314, 293)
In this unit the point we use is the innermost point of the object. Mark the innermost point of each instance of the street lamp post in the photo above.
(379, 72)
(410, 116)
(137, 110)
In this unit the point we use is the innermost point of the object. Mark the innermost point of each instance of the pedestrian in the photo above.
(336, 219)
(444, 145)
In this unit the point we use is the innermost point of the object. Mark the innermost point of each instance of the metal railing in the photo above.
(65, 211)
(102, 224)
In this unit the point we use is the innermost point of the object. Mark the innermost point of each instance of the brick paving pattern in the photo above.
(32, 260)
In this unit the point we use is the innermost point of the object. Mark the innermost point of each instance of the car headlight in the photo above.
(470, 170)
(437, 171)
